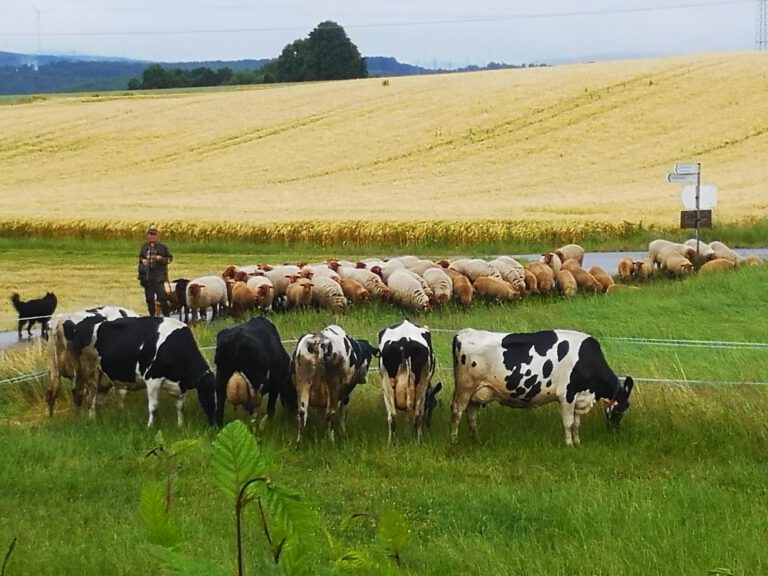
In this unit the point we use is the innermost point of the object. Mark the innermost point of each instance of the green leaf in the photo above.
(236, 458)
(394, 532)
(292, 521)
(353, 562)
(181, 565)
(182, 446)
(161, 528)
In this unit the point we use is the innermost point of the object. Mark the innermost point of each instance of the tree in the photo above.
(327, 54)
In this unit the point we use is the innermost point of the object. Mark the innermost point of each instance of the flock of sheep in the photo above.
(419, 284)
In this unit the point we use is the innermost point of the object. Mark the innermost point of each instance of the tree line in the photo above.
(326, 53)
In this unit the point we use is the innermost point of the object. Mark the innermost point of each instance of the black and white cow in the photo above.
(325, 368)
(153, 351)
(407, 364)
(530, 369)
(64, 361)
(254, 349)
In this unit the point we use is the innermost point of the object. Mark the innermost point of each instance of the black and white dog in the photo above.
(37, 310)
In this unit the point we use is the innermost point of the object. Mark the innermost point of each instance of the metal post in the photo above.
(698, 212)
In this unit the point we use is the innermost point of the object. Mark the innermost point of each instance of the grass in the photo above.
(686, 471)
(532, 145)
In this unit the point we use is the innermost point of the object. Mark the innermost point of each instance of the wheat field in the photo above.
(571, 143)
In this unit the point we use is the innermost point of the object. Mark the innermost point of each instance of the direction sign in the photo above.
(707, 196)
(686, 168)
(674, 177)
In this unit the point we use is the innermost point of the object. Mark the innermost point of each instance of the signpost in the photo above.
(690, 173)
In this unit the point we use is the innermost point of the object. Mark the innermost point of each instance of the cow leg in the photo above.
(575, 428)
(460, 401)
(471, 412)
(389, 403)
(301, 416)
(121, 394)
(153, 391)
(180, 410)
(332, 403)
(568, 416)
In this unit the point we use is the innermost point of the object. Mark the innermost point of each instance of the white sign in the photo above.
(707, 197)
(686, 168)
(673, 177)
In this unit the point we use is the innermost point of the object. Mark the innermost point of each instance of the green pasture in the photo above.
(679, 489)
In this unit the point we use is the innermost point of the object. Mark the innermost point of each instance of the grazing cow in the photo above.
(325, 368)
(64, 361)
(407, 364)
(254, 349)
(35, 310)
(153, 351)
(525, 370)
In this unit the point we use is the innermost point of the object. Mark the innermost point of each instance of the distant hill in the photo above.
(30, 73)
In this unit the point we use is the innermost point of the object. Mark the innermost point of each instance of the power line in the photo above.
(407, 23)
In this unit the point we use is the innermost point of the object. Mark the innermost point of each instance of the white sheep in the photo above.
(705, 252)
(370, 281)
(327, 293)
(571, 251)
(264, 289)
(474, 268)
(657, 247)
(407, 290)
(722, 251)
(440, 284)
(207, 292)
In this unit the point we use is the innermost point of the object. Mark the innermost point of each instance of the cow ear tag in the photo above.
(608, 403)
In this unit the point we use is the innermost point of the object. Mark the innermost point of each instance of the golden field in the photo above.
(565, 144)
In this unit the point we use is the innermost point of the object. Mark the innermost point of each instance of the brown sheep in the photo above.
(673, 264)
(601, 276)
(531, 285)
(462, 287)
(716, 265)
(643, 269)
(354, 291)
(584, 280)
(626, 268)
(566, 283)
(545, 276)
(299, 293)
(244, 298)
(495, 288)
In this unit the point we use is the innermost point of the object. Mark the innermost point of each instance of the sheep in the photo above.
(353, 290)
(704, 254)
(388, 268)
(626, 268)
(723, 251)
(571, 251)
(545, 276)
(420, 266)
(440, 284)
(279, 275)
(566, 283)
(298, 294)
(241, 393)
(716, 265)
(265, 291)
(408, 291)
(674, 264)
(327, 293)
(552, 260)
(584, 280)
(531, 284)
(509, 268)
(205, 292)
(369, 280)
(244, 298)
(751, 259)
(462, 287)
(643, 269)
(495, 288)
(601, 276)
(473, 268)
(657, 248)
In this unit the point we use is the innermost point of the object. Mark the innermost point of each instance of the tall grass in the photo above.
(679, 489)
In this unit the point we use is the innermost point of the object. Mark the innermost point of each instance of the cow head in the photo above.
(616, 406)
(206, 395)
(430, 401)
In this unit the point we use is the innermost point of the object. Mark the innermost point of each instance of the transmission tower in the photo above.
(761, 31)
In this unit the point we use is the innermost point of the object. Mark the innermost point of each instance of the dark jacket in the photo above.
(156, 270)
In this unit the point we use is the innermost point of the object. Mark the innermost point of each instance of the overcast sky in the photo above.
(443, 33)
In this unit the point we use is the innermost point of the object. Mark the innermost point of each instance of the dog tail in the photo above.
(16, 299)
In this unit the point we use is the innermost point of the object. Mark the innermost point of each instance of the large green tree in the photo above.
(326, 54)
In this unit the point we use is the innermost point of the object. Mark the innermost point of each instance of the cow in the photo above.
(407, 364)
(325, 368)
(64, 361)
(254, 349)
(530, 369)
(153, 351)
